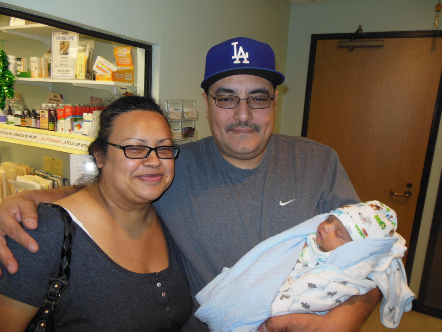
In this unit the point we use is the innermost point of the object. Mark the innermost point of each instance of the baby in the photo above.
(348, 223)
(325, 274)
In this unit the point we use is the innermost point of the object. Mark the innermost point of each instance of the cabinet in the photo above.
(26, 145)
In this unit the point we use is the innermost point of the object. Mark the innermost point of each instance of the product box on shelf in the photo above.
(189, 113)
(36, 67)
(44, 119)
(123, 57)
(126, 76)
(22, 65)
(60, 118)
(78, 121)
(176, 133)
(70, 111)
(123, 71)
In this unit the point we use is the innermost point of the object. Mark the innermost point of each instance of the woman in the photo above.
(126, 272)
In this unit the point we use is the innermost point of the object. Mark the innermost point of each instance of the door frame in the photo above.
(431, 248)
(434, 125)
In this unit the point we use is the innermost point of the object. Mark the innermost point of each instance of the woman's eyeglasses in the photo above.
(143, 151)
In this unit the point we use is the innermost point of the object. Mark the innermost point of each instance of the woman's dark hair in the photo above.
(120, 106)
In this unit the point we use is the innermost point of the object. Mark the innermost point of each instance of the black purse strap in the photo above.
(43, 321)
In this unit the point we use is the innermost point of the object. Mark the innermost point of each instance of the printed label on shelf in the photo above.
(42, 138)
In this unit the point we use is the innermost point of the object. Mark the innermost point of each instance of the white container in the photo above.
(12, 64)
(22, 65)
(36, 67)
(44, 67)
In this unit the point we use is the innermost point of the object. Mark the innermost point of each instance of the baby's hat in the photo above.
(367, 220)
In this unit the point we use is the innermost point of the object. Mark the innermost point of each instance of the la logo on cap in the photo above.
(240, 54)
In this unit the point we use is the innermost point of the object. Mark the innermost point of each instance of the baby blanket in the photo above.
(240, 299)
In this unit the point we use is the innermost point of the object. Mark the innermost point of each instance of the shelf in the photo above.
(72, 144)
(181, 120)
(46, 82)
(27, 31)
(184, 140)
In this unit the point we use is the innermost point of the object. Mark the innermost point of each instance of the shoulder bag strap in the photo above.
(43, 321)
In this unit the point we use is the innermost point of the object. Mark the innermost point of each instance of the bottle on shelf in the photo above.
(17, 118)
(23, 119)
(10, 116)
(44, 117)
(37, 119)
(34, 119)
(28, 118)
(51, 120)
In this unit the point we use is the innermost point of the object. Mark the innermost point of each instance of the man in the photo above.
(240, 186)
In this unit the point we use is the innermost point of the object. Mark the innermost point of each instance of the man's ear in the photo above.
(206, 102)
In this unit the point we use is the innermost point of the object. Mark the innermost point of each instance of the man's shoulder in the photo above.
(299, 143)
(195, 146)
(200, 150)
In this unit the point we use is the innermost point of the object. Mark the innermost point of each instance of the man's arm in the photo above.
(22, 207)
(348, 316)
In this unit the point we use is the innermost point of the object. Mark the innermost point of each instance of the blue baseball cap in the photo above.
(240, 56)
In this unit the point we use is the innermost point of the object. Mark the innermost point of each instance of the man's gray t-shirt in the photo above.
(217, 212)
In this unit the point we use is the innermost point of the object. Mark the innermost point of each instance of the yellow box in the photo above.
(126, 76)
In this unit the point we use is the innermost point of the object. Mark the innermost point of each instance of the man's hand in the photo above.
(349, 316)
(16, 209)
(22, 207)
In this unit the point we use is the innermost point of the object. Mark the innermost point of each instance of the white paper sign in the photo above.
(64, 53)
(63, 142)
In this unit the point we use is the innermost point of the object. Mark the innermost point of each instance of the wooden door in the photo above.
(375, 106)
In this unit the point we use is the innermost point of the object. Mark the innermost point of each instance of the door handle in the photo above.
(405, 194)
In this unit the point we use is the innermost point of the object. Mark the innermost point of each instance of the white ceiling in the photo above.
(310, 1)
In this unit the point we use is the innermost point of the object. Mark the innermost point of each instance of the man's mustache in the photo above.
(246, 124)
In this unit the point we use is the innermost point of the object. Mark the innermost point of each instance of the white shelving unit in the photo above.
(43, 33)
(46, 82)
(27, 145)
(37, 31)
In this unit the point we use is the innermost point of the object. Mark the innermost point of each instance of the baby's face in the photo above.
(331, 234)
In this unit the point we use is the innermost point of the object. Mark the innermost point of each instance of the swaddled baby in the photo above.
(325, 274)
(348, 223)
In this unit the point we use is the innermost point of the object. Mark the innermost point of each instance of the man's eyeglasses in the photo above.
(142, 151)
(232, 101)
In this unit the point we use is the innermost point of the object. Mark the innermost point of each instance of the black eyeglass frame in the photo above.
(123, 147)
(239, 100)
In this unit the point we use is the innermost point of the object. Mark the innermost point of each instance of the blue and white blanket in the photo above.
(240, 298)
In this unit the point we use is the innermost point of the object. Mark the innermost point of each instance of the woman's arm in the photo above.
(22, 207)
(15, 316)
